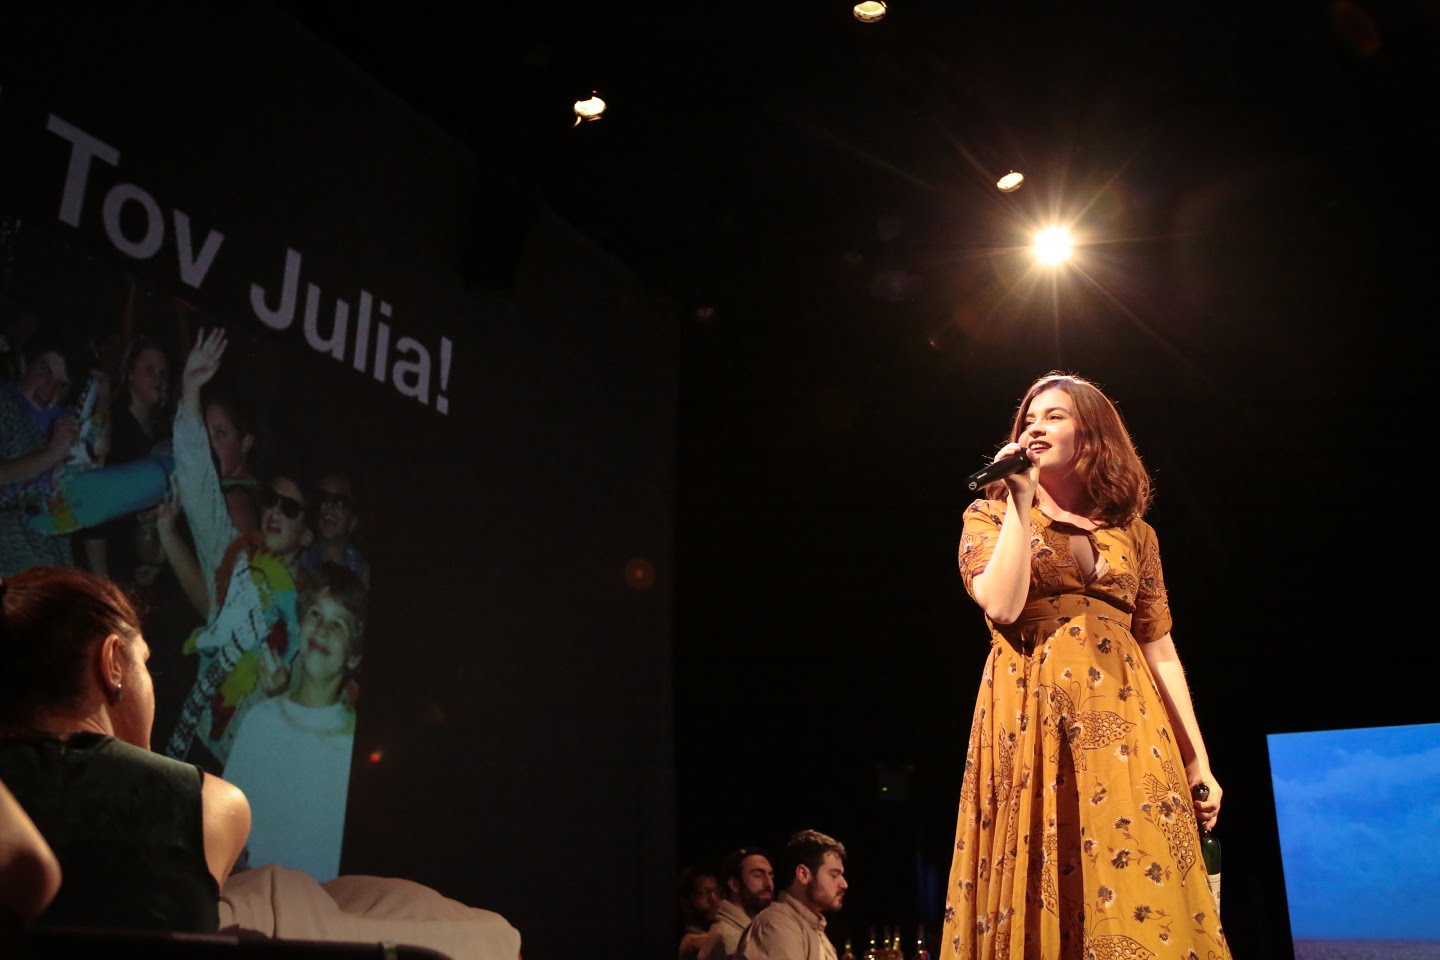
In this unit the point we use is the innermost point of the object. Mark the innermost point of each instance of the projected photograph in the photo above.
(1359, 826)
(198, 477)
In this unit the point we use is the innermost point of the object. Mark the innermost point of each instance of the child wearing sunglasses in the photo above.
(251, 634)
(336, 524)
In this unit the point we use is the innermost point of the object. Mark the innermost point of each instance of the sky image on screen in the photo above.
(1359, 819)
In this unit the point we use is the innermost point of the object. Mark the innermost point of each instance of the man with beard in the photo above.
(749, 888)
(697, 897)
(793, 927)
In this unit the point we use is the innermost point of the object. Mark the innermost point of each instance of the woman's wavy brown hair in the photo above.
(1106, 460)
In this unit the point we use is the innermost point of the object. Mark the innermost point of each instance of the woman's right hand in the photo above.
(203, 361)
(1022, 483)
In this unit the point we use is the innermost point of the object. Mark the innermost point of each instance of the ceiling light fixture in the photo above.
(870, 11)
(587, 110)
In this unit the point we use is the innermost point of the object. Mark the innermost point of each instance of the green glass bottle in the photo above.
(1209, 849)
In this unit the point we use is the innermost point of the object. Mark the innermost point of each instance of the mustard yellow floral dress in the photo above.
(1076, 837)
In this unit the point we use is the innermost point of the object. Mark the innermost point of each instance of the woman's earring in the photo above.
(119, 692)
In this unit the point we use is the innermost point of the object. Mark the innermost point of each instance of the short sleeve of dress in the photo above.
(1152, 606)
(977, 540)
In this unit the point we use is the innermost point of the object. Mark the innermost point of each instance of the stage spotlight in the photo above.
(1053, 245)
(1010, 182)
(871, 11)
(590, 109)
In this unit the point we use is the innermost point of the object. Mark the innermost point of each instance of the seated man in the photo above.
(697, 897)
(749, 888)
(812, 866)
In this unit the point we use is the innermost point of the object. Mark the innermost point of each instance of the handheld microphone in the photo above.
(998, 470)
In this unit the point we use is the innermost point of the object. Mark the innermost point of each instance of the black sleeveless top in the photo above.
(125, 825)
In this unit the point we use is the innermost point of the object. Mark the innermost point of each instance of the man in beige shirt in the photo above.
(749, 883)
(793, 927)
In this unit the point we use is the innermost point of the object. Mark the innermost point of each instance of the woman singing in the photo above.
(1076, 835)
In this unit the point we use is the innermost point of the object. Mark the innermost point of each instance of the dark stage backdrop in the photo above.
(501, 392)
(1263, 324)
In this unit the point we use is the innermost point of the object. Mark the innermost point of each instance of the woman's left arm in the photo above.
(29, 871)
(1170, 677)
(225, 818)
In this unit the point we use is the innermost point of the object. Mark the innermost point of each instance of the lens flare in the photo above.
(1053, 245)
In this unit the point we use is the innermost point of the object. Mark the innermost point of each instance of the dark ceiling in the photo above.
(822, 190)
(1244, 176)
(768, 153)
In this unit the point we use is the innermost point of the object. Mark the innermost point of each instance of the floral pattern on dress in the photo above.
(1075, 837)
